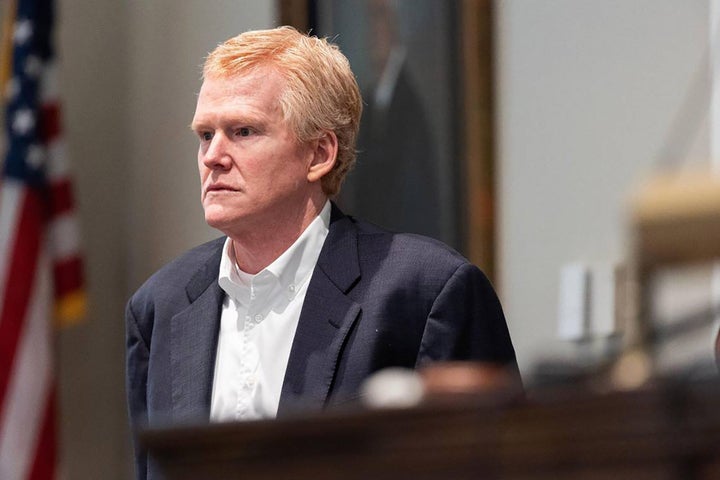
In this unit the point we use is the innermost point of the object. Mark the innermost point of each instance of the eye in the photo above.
(243, 132)
(205, 136)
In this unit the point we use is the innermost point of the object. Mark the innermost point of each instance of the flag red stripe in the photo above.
(45, 458)
(49, 128)
(43, 212)
(68, 275)
(61, 200)
(20, 278)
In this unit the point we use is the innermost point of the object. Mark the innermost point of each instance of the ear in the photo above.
(325, 151)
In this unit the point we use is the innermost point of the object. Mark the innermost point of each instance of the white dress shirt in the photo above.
(259, 317)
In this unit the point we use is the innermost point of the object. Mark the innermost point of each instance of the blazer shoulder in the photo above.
(410, 246)
(420, 245)
(407, 255)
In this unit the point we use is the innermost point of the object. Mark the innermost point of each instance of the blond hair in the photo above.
(320, 93)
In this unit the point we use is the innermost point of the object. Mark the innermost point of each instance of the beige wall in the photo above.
(129, 73)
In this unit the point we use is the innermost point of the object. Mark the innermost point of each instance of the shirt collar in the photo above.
(291, 269)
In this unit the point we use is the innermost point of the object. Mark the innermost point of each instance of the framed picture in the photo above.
(425, 150)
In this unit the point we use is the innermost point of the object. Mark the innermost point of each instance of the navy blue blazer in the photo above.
(376, 299)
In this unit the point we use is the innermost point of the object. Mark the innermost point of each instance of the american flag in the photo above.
(40, 265)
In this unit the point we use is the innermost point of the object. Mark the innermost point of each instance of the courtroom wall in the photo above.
(589, 91)
(130, 72)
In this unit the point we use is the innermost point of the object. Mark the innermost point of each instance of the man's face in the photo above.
(252, 169)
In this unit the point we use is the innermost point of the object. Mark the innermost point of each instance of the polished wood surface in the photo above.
(668, 432)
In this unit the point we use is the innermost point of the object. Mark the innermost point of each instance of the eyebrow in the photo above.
(244, 120)
(195, 126)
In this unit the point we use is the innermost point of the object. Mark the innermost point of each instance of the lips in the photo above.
(219, 188)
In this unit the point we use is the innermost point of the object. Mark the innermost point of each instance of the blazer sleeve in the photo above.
(137, 355)
(466, 322)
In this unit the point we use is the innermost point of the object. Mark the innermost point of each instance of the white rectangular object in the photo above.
(573, 304)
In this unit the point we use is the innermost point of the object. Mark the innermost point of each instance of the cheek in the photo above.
(202, 169)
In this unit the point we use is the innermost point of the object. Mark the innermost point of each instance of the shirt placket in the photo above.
(250, 357)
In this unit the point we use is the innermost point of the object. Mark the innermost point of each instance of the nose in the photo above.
(215, 153)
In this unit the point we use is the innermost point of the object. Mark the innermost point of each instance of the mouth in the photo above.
(220, 188)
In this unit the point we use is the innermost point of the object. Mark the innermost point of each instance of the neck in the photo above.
(254, 250)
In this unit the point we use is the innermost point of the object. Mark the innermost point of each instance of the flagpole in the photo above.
(8, 20)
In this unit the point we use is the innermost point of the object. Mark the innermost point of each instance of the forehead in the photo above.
(260, 89)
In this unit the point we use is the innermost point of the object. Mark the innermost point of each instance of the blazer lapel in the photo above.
(327, 317)
(194, 333)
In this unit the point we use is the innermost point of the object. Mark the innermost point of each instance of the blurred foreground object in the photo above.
(675, 220)
(445, 382)
(717, 350)
(393, 388)
(675, 223)
(667, 432)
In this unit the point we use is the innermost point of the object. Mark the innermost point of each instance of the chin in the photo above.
(217, 222)
(224, 221)
(217, 219)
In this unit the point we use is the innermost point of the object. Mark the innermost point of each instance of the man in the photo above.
(298, 304)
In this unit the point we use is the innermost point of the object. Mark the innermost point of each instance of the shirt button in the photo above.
(291, 288)
(258, 317)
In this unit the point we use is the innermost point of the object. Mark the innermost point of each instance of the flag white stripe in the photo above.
(49, 91)
(30, 380)
(11, 193)
(65, 236)
(57, 164)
